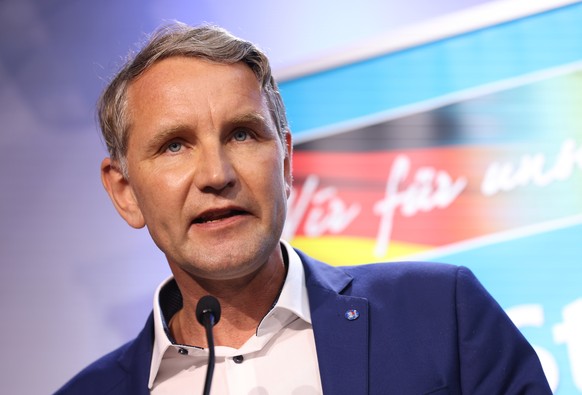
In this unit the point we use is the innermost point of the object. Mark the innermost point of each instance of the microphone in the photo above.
(208, 315)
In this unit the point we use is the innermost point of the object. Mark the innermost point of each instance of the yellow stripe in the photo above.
(341, 250)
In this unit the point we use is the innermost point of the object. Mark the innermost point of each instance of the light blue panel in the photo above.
(501, 52)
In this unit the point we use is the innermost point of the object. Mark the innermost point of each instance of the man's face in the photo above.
(208, 172)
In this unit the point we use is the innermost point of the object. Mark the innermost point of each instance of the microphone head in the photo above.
(208, 305)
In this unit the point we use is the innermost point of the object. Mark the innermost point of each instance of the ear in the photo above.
(121, 194)
(287, 166)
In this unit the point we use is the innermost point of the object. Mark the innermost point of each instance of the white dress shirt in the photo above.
(279, 359)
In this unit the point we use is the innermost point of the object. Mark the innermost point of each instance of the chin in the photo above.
(215, 268)
(228, 262)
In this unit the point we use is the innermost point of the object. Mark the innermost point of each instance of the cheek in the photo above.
(263, 176)
(279, 184)
(274, 168)
(154, 192)
(178, 182)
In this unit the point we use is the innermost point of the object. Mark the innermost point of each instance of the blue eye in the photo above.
(241, 135)
(174, 147)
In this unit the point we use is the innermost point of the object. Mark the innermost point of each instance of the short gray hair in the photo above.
(207, 42)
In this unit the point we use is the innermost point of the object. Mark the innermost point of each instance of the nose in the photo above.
(214, 170)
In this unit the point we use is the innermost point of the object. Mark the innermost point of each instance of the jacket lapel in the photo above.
(341, 343)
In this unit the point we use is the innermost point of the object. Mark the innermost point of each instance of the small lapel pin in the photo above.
(352, 314)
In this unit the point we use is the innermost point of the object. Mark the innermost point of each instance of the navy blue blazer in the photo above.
(423, 328)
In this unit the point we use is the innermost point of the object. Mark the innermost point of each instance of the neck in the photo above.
(244, 302)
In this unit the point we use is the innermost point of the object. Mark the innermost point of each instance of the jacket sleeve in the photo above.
(494, 356)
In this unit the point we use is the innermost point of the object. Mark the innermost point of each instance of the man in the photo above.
(200, 153)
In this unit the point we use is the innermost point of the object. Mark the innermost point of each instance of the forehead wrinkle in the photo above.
(240, 114)
(256, 115)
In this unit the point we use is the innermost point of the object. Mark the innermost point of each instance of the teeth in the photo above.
(216, 218)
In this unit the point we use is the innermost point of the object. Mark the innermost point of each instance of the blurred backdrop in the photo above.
(447, 131)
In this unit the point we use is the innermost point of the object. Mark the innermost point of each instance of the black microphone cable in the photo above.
(208, 315)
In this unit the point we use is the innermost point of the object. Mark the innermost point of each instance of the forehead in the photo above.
(192, 68)
(189, 84)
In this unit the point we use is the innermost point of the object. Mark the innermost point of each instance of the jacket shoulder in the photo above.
(100, 376)
(122, 371)
(405, 270)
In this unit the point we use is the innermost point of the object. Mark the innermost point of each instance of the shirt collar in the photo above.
(293, 300)
(293, 295)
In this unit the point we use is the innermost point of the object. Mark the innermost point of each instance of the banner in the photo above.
(484, 172)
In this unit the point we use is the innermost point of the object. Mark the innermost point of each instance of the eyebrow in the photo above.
(174, 131)
(154, 144)
(251, 117)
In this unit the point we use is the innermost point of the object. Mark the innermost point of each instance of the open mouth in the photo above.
(215, 216)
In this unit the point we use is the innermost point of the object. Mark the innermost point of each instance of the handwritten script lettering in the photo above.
(531, 170)
(322, 210)
(429, 189)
